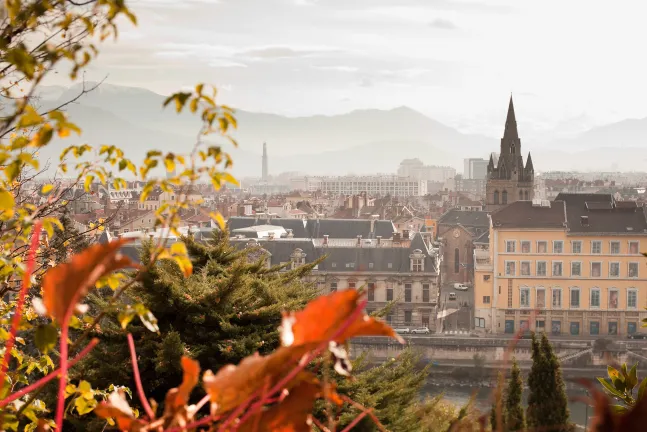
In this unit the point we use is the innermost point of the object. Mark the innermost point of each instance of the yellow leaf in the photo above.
(46, 189)
(29, 118)
(178, 248)
(170, 165)
(88, 182)
(7, 203)
(219, 219)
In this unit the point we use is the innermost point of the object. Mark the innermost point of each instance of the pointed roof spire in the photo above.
(529, 166)
(510, 122)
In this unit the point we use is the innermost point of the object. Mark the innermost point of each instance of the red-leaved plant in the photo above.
(262, 393)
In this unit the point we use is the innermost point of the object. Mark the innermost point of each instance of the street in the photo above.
(462, 318)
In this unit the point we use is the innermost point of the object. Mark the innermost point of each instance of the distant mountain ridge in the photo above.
(361, 141)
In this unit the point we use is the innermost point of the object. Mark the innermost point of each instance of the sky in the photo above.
(570, 64)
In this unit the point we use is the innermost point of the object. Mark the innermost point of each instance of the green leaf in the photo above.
(45, 337)
(618, 409)
(125, 317)
(147, 318)
(610, 389)
(632, 379)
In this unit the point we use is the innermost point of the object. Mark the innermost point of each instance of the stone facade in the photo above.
(509, 180)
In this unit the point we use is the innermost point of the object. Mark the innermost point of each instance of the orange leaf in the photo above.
(233, 385)
(292, 414)
(117, 407)
(189, 381)
(69, 282)
(323, 316)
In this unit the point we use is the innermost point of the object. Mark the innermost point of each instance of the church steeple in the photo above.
(511, 123)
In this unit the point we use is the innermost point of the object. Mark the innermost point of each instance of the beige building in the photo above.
(572, 266)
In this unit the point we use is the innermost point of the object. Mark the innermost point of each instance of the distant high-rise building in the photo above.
(475, 169)
(509, 180)
(265, 172)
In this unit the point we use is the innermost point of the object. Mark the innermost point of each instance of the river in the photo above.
(460, 395)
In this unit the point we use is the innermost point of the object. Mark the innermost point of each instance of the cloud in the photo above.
(443, 24)
(305, 2)
(283, 52)
(174, 4)
(349, 69)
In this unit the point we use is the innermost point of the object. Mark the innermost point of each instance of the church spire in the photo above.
(511, 123)
(529, 167)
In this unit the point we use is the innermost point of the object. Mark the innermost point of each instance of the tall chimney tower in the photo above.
(265, 173)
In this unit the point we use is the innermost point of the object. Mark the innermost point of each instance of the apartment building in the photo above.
(359, 254)
(376, 185)
(572, 266)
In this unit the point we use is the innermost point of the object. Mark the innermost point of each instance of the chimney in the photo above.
(373, 219)
(290, 235)
(396, 237)
(270, 235)
(379, 240)
(359, 241)
(405, 234)
(325, 240)
(584, 220)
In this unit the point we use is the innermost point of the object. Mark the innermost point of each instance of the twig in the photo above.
(361, 407)
(47, 378)
(138, 379)
(318, 424)
(17, 316)
(357, 419)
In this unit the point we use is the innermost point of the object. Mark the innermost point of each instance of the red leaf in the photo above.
(70, 282)
(189, 381)
(322, 317)
(117, 408)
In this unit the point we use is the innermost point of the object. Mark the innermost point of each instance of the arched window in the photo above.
(520, 195)
(504, 197)
(496, 197)
(457, 260)
(526, 195)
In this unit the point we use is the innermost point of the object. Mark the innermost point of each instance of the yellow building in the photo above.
(568, 267)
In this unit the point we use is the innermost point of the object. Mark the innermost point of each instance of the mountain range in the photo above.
(359, 142)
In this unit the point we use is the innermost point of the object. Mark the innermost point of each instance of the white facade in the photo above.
(415, 169)
(374, 185)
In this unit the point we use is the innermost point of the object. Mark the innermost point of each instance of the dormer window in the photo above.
(298, 258)
(417, 259)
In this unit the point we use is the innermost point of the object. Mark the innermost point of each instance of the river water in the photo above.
(460, 395)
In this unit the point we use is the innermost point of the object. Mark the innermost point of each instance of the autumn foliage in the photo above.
(272, 392)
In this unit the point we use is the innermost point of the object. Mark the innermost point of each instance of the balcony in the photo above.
(482, 260)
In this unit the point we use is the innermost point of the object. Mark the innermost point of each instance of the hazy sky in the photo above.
(575, 61)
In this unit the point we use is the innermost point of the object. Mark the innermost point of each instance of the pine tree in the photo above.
(514, 416)
(497, 413)
(547, 401)
(228, 309)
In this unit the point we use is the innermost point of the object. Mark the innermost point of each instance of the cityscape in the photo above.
(319, 216)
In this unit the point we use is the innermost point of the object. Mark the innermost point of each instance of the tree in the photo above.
(514, 415)
(229, 308)
(547, 401)
(497, 414)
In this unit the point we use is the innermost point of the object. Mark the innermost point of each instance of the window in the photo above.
(524, 297)
(351, 285)
(575, 328)
(596, 247)
(558, 268)
(633, 270)
(407, 293)
(613, 328)
(370, 266)
(541, 268)
(350, 265)
(542, 246)
(614, 269)
(632, 299)
(525, 268)
(558, 246)
(486, 299)
(510, 295)
(407, 317)
(540, 324)
(457, 260)
(370, 312)
(631, 327)
(634, 248)
(425, 293)
(333, 265)
(510, 246)
(595, 298)
(510, 268)
(613, 299)
(389, 265)
(614, 246)
(371, 291)
(496, 197)
(557, 298)
(389, 319)
(416, 265)
(504, 197)
(389, 291)
(576, 268)
(575, 297)
(576, 247)
(596, 269)
(486, 278)
(333, 286)
(541, 298)
(594, 327)
(525, 247)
